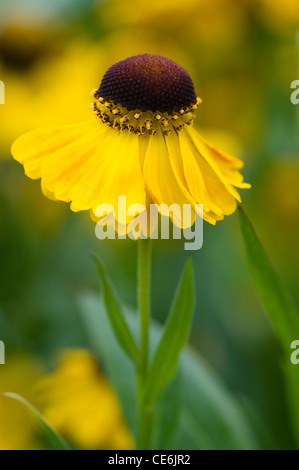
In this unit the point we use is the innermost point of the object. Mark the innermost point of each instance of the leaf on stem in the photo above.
(174, 338)
(274, 294)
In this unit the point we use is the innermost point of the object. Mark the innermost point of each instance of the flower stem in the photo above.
(144, 268)
(144, 275)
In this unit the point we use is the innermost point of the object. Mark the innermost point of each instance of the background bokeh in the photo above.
(242, 57)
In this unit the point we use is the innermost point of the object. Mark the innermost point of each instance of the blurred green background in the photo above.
(242, 57)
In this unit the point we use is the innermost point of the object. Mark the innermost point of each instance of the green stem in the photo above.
(144, 274)
(144, 268)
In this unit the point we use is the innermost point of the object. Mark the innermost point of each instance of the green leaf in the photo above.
(115, 314)
(274, 294)
(175, 336)
(56, 442)
(199, 412)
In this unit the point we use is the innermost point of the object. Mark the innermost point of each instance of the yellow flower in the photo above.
(80, 404)
(17, 428)
(141, 144)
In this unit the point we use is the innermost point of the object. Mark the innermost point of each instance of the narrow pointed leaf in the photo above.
(274, 294)
(280, 307)
(55, 441)
(115, 313)
(174, 338)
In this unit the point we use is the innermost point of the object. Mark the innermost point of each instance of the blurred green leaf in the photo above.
(115, 313)
(274, 294)
(56, 442)
(213, 416)
(199, 414)
(167, 413)
(175, 336)
(291, 374)
(117, 365)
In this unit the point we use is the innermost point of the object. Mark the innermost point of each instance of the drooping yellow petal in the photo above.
(203, 182)
(88, 164)
(34, 148)
(116, 172)
(162, 184)
(228, 165)
(176, 160)
(66, 166)
(216, 161)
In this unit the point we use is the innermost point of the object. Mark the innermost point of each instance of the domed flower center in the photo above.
(143, 90)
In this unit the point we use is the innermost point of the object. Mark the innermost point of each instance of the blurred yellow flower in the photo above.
(279, 186)
(280, 15)
(141, 144)
(204, 19)
(81, 405)
(16, 425)
(32, 97)
(208, 20)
